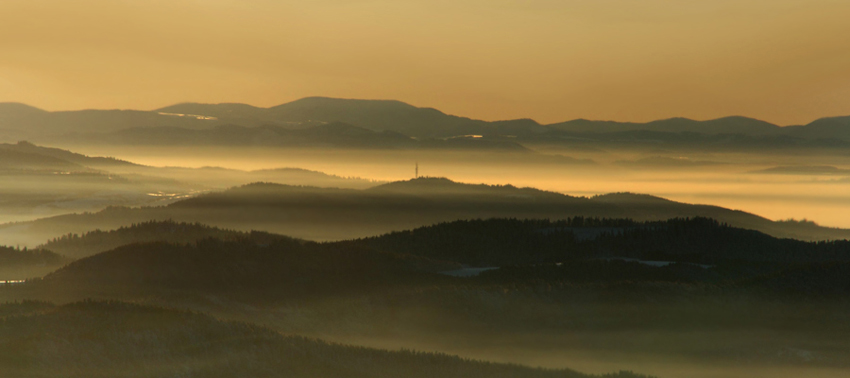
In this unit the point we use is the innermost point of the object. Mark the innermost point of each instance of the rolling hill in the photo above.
(596, 285)
(503, 242)
(97, 241)
(334, 214)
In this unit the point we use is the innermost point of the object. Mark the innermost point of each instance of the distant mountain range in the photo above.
(331, 135)
(22, 121)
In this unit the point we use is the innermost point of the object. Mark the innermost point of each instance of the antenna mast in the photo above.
(417, 169)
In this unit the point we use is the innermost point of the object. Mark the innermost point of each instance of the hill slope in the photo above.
(97, 241)
(502, 242)
(114, 339)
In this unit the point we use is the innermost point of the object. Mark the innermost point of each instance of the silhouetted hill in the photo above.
(726, 125)
(377, 115)
(41, 181)
(431, 186)
(94, 242)
(334, 214)
(279, 268)
(12, 256)
(381, 115)
(824, 128)
(115, 339)
(57, 154)
(502, 242)
(16, 119)
(33, 125)
(11, 112)
(16, 160)
(399, 117)
(18, 264)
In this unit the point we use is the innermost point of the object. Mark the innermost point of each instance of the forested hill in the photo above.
(282, 268)
(20, 264)
(94, 242)
(581, 250)
(10, 257)
(116, 339)
(501, 242)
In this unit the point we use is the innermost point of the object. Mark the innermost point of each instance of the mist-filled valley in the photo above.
(354, 238)
(778, 186)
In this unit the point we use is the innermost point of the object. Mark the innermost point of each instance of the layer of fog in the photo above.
(732, 183)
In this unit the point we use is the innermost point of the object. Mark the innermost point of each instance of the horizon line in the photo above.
(414, 106)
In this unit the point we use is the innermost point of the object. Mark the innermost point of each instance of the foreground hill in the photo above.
(334, 214)
(263, 267)
(693, 291)
(113, 339)
(599, 286)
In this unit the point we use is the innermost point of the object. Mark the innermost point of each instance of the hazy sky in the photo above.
(785, 61)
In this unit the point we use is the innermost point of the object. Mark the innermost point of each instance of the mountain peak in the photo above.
(334, 101)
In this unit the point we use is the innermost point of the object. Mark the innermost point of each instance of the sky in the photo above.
(783, 61)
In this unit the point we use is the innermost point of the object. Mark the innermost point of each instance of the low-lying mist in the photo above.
(729, 180)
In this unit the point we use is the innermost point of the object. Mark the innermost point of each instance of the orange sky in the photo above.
(785, 61)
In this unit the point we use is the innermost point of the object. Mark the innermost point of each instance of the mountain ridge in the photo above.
(380, 115)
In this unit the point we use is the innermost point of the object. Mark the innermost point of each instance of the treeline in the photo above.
(10, 257)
